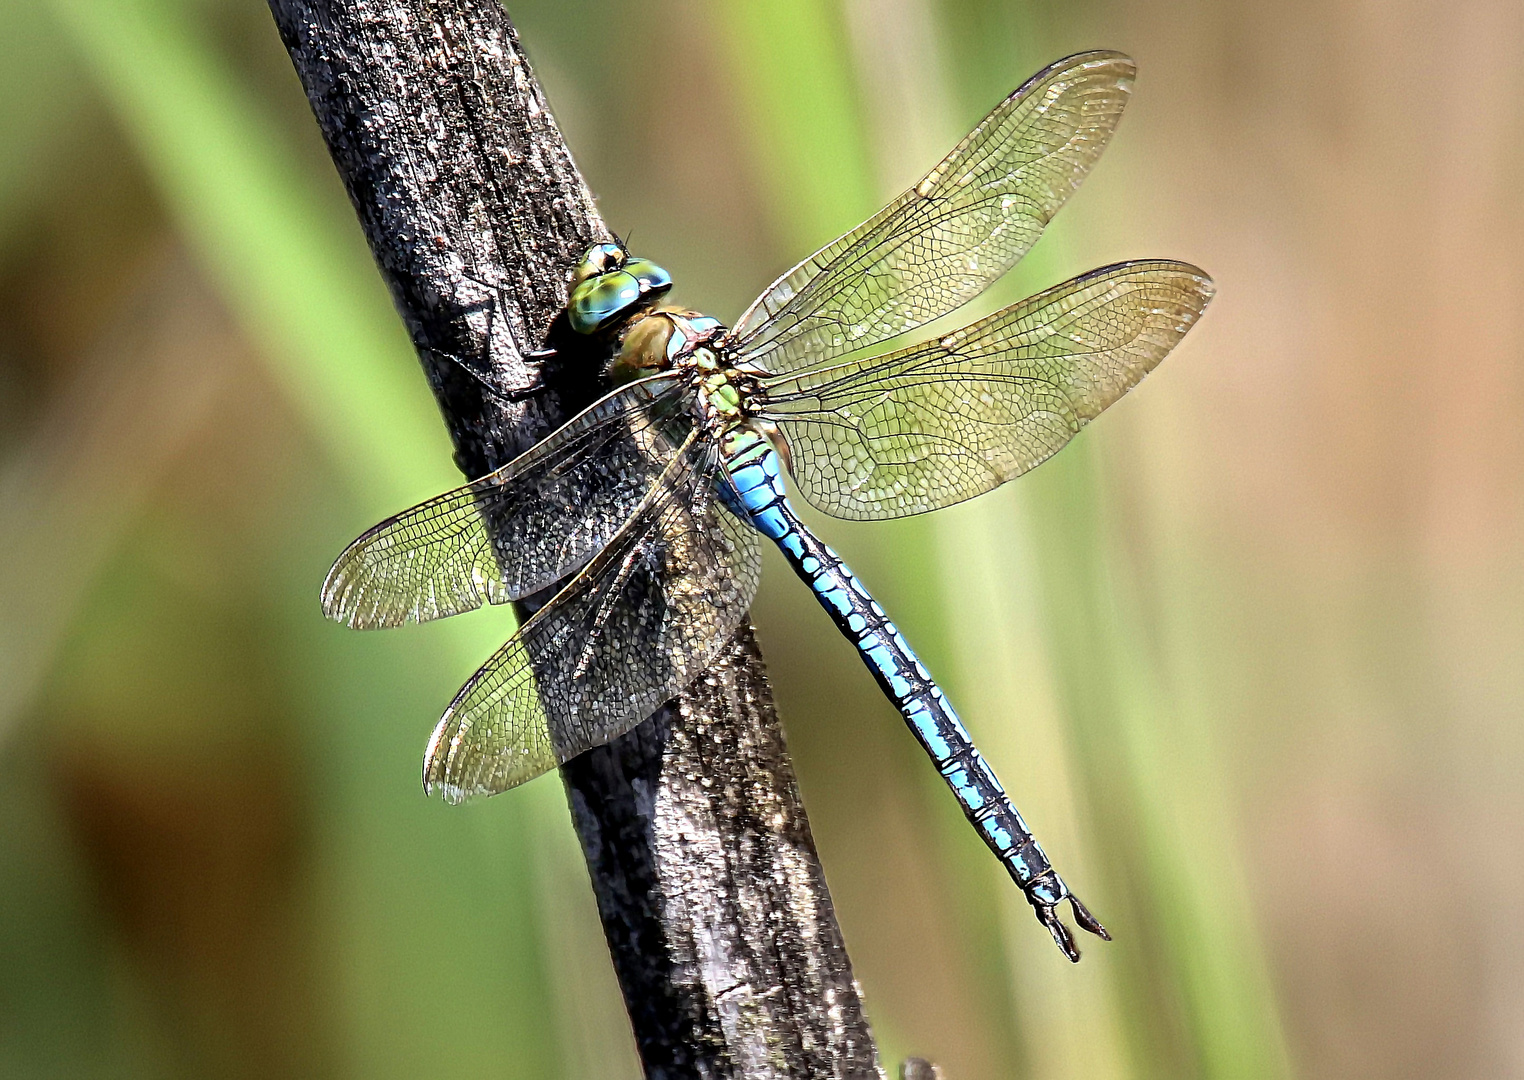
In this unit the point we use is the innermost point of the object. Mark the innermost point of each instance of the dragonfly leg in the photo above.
(513, 395)
(490, 304)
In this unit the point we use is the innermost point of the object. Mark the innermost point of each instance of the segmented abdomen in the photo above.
(758, 496)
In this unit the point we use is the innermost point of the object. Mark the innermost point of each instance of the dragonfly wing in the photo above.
(943, 421)
(519, 529)
(638, 624)
(945, 240)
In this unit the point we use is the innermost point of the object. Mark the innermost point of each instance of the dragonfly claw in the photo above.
(1047, 914)
(1086, 920)
(1062, 936)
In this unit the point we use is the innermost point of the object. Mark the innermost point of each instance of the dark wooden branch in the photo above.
(707, 880)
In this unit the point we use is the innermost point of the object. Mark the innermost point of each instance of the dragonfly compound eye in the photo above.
(598, 259)
(599, 301)
(652, 278)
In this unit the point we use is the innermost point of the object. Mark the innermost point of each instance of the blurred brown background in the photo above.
(1247, 653)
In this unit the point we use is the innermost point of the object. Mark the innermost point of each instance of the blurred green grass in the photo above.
(418, 939)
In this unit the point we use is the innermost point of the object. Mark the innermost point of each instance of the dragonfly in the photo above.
(652, 503)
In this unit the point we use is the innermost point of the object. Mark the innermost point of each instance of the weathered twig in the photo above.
(707, 880)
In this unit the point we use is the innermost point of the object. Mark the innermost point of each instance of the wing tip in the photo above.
(337, 595)
(452, 794)
(342, 599)
(1206, 287)
(1092, 60)
(1201, 282)
(436, 766)
(1096, 59)
(352, 596)
(342, 595)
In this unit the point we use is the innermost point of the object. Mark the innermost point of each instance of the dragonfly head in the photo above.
(608, 285)
(598, 259)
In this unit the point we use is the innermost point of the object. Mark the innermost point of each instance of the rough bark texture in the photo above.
(707, 880)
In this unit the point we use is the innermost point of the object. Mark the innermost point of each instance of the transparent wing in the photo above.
(519, 529)
(639, 623)
(943, 421)
(945, 240)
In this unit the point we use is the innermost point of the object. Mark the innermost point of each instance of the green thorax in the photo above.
(664, 339)
(719, 397)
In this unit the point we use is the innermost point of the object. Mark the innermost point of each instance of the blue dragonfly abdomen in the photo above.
(752, 488)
